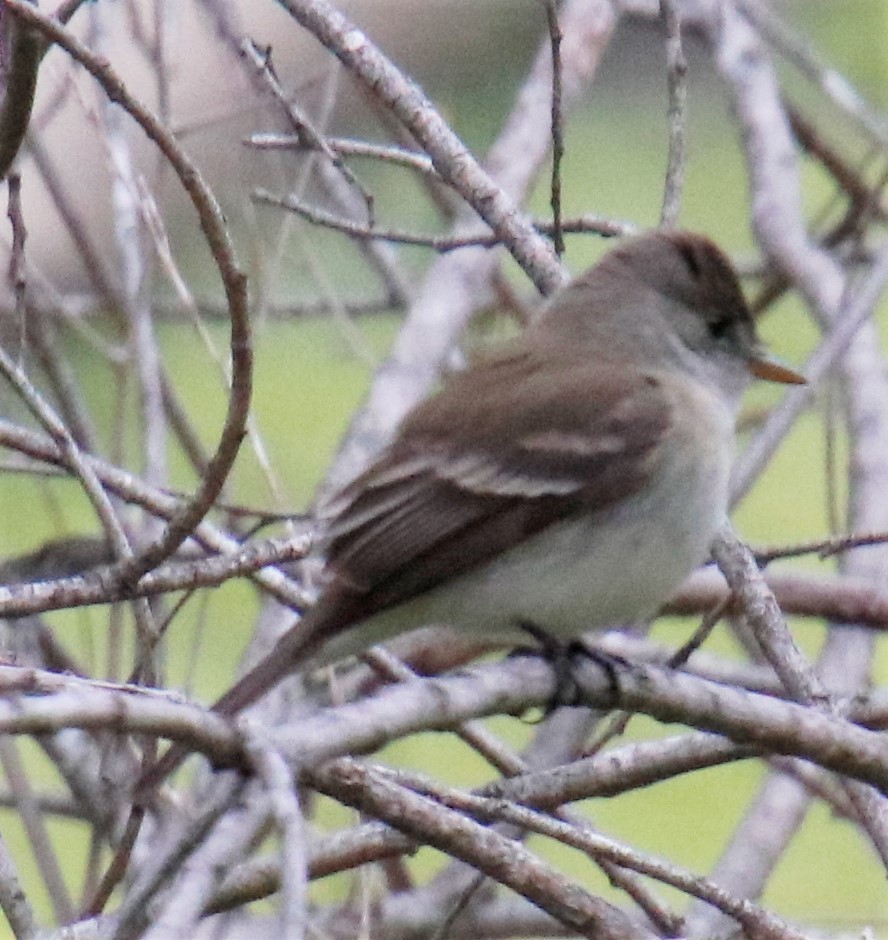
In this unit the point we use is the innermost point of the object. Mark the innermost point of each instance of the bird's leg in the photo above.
(558, 655)
(610, 664)
(561, 655)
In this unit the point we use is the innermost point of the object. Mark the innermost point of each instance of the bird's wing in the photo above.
(434, 506)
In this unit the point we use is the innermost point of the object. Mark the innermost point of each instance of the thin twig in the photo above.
(216, 232)
(590, 224)
(313, 139)
(283, 799)
(14, 903)
(677, 83)
(846, 177)
(453, 161)
(486, 850)
(457, 285)
(823, 548)
(17, 600)
(833, 84)
(849, 320)
(761, 609)
(71, 455)
(757, 921)
(555, 38)
(134, 490)
(61, 378)
(16, 276)
(31, 817)
(412, 159)
(132, 910)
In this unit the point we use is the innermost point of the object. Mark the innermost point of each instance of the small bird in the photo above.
(570, 480)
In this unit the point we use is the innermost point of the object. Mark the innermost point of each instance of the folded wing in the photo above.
(430, 509)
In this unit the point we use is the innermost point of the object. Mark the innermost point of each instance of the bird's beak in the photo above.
(765, 366)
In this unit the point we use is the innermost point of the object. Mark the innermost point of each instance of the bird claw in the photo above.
(561, 656)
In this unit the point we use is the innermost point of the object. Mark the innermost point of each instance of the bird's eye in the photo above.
(718, 328)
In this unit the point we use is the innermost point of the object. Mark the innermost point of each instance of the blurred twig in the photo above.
(585, 224)
(677, 84)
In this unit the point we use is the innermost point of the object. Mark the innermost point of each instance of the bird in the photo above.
(570, 479)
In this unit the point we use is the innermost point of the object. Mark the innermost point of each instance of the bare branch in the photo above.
(500, 858)
(454, 288)
(450, 158)
(13, 899)
(101, 587)
(677, 83)
(442, 243)
(234, 281)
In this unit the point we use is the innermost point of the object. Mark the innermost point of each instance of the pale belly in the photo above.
(585, 573)
(591, 572)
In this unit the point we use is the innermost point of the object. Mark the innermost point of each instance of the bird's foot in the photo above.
(607, 662)
(561, 656)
